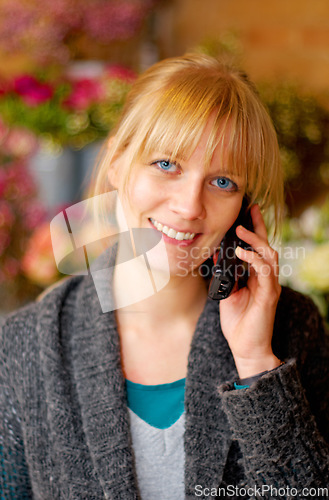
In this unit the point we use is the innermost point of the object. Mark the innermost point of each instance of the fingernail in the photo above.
(238, 251)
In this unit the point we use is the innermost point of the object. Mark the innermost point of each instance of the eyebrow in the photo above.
(223, 171)
(167, 154)
(174, 157)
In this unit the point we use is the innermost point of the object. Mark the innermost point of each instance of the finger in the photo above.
(267, 275)
(264, 269)
(261, 246)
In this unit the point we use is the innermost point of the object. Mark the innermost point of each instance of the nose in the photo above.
(187, 200)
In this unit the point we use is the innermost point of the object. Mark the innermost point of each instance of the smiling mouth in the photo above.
(172, 233)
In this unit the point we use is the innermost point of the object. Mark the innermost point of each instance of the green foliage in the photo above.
(302, 125)
(47, 117)
(74, 112)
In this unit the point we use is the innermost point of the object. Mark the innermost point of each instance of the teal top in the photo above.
(158, 405)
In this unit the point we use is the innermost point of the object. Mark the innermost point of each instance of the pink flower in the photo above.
(84, 93)
(33, 214)
(3, 182)
(3, 131)
(116, 71)
(3, 87)
(38, 263)
(113, 20)
(20, 142)
(7, 216)
(5, 240)
(20, 183)
(11, 267)
(31, 90)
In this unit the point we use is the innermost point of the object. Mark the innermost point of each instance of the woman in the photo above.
(173, 396)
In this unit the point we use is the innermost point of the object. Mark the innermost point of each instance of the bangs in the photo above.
(175, 118)
(168, 109)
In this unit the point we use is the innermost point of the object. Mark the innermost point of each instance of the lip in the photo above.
(172, 241)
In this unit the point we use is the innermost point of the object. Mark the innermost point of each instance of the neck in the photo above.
(183, 298)
(155, 327)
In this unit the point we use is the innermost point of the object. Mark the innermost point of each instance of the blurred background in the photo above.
(66, 67)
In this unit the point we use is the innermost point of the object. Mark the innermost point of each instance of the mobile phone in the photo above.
(228, 268)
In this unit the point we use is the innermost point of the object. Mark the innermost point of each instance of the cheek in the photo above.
(224, 217)
(142, 192)
(139, 198)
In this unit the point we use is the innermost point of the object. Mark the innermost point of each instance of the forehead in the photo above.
(214, 144)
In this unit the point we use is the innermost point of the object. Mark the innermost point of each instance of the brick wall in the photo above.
(280, 38)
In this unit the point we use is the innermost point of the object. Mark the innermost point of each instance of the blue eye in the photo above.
(225, 184)
(166, 165)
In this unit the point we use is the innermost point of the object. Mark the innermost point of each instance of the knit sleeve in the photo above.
(14, 478)
(281, 422)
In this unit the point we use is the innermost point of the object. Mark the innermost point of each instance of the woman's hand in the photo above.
(247, 316)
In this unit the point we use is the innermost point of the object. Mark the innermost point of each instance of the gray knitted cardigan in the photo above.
(64, 424)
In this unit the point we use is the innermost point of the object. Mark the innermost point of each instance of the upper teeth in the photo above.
(169, 231)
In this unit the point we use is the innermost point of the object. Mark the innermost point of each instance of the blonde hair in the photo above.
(167, 110)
